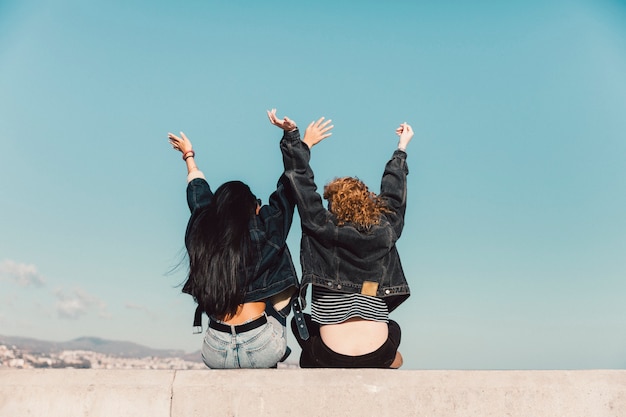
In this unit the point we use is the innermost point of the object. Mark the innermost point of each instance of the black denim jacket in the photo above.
(273, 269)
(343, 258)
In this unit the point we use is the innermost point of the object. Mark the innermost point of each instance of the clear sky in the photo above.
(515, 236)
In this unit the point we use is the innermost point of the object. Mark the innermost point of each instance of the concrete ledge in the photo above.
(323, 392)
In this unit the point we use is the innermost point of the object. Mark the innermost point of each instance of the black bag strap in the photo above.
(303, 331)
(197, 320)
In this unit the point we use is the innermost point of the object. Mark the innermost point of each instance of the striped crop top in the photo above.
(330, 307)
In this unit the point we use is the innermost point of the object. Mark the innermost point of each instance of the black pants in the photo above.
(315, 354)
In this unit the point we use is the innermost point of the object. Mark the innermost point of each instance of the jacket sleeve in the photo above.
(278, 213)
(393, 189)
(296, 156)
(199, 194)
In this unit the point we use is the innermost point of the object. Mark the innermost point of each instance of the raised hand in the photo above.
(317, 132)
(285, 123)
(405, 131)
(181, 143)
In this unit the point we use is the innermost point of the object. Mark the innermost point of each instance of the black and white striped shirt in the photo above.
(329, 307)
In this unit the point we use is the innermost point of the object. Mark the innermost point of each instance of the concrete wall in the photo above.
(324, 392)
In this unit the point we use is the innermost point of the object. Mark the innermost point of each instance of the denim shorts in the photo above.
(262, 347)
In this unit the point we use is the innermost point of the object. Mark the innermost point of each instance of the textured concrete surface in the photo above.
(324, 392)
(69, 393)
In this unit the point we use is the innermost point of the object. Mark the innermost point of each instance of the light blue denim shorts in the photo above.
(262, 347)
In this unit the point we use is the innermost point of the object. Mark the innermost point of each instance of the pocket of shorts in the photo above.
(267, 347)
(214, 350)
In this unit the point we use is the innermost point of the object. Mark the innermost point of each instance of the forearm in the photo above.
(199, 193)
(393, 184)
(294, 155)
(393, 189)
(278, 213)
(190, 162)
(192, 169)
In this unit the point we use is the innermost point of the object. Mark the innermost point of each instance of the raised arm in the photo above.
(283, 199)
(198, 192)
(296, 156)
(393, 185)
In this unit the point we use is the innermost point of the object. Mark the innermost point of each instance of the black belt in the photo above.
(226, 328)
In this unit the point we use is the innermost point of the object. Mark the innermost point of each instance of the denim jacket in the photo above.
(343, 258)
(273, 270)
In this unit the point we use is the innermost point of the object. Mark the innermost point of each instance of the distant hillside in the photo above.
(94, 344)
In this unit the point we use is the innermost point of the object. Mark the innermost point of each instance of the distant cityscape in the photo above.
(13, 357)
(95, 353)
(91, 353)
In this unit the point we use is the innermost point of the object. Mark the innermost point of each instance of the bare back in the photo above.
(354, 336)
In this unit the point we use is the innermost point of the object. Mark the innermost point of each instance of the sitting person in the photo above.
(240, 269)
(348, 255)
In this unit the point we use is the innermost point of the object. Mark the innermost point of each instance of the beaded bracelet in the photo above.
(188, 154)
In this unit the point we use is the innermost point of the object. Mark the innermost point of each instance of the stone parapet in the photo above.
(313, 392)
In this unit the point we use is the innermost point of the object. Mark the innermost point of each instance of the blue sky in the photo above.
(515, 232)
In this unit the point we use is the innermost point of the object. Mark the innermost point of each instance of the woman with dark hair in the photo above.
(240, 269)
(348, 255)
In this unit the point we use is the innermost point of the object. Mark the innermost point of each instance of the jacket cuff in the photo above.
(399, 153)
(195, 174)
(292, 136)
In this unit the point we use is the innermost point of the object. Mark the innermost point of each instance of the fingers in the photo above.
(174, 141)
(271, 114)
(179, 143)
(317, 131)
(404, 128)
(321, 124)
(173, 137)
(326, 128)
(285, 123)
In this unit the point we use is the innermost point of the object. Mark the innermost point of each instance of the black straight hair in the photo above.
(219, 250)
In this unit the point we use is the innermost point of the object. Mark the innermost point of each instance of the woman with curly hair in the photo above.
(348, 255)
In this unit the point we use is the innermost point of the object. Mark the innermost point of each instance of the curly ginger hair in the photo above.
(352, 202)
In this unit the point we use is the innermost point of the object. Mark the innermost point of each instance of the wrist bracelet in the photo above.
(188, 154)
